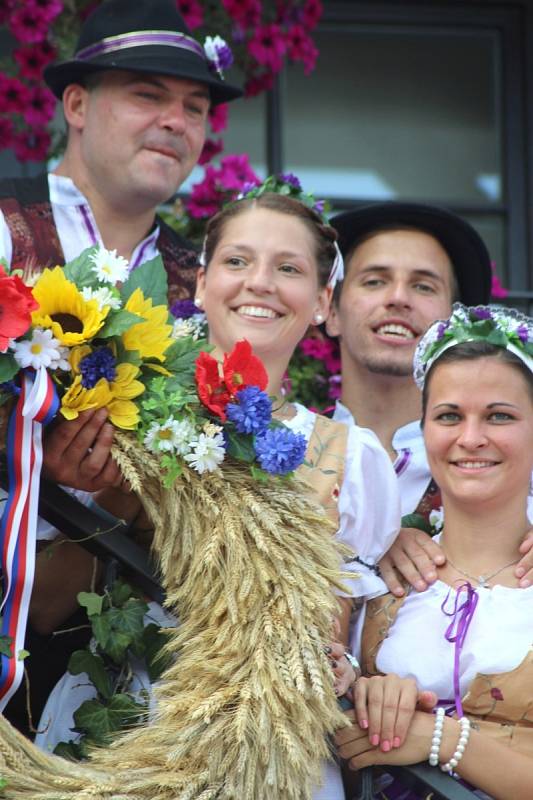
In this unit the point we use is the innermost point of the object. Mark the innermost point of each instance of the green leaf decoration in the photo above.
(22, 654)
(416, 521)
(117, 646)
(151, 279)
(100, 720)
(8, 367)
(119, 322)
(81, 270)
(120, 593)
(182, 354)
(240, 447)
(92, 602)
(157, 659)
(6, 646)
(72, 751)
(85, 661)
(101, 629)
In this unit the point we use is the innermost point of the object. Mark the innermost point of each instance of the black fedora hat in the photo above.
(142, 36)
(465, 247)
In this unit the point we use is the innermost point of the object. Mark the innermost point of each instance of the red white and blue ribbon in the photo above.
(37, 404)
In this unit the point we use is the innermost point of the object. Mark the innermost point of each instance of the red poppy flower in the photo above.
(241, 368)
(16, 304)
(211, 390)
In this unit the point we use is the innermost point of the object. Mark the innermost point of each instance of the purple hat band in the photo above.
(112, 44)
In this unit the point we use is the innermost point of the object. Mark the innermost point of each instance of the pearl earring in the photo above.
(318, 318)
(198, 302)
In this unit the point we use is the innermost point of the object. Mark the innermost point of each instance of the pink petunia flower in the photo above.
(218, 118)
(268, 47)
(31, 145)
(235, 172)
(312, 13)
(258, 84)
(14, 95)
(29, 24)
(49, 8)
(6, 7)
(246, 13)
(32, 60)
(212, 147)
(497, 291)
(6, 133)
(204, 200)
(193, 13)
(301, 48)
(41, 106)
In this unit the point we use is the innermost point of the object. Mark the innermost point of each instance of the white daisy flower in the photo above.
(109, 267)
(192, 326)
(103, 296)
(207, 453)
(42, 350)
(172, 435)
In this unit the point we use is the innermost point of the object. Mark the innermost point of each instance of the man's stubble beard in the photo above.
(393, 369)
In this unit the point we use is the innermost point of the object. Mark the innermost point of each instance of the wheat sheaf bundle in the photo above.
(245, 710)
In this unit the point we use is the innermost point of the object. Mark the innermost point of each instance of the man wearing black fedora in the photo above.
(405, 265)
(135, 96)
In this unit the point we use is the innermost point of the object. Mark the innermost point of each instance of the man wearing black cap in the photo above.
(135, 97)
(405, 264)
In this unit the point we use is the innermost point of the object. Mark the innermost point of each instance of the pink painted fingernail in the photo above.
(385, 746)
(374, 740)
(363, 724)
(520, 572)
(396, 741)
(525, 583)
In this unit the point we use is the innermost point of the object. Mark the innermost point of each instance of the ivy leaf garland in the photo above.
(119, 633)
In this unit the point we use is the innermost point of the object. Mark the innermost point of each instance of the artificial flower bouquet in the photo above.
(105, 338)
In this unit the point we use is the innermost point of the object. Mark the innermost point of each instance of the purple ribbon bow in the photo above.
(461, 617)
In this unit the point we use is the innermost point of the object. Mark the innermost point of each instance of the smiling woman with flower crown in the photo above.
(476, 375)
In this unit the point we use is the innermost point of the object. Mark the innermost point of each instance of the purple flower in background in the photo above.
(184, 309)
(319, 206)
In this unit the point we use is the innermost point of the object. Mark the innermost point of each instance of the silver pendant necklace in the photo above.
(481, 580)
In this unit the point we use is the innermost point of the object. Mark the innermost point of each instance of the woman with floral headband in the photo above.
(469, 637)
(270, 263)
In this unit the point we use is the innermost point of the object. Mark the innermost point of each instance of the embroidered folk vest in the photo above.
(25, 203)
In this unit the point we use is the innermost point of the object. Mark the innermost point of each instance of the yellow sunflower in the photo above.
(62, 308)
(150, 338)
(77, 399)
(115, 395)
(122, 411)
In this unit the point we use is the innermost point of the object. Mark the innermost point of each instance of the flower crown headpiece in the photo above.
(502, 327)
(290, 186)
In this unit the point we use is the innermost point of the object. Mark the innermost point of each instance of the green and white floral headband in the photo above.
(502, 327)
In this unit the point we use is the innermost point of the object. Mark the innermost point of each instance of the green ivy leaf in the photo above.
(8, 367)
(120, 592)
(151, 279)
(239, 446)
(119, 322)
(85, 661)
(416, 521)
(157, 659)
(99, 720)
(81, 270)
(101, 629)
(72, 751)
(92, 602)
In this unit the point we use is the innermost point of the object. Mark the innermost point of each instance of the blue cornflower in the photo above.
(279, 450)
(98, 364)
(252, 413)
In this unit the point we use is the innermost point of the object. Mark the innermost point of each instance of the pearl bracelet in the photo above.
(461, 746)
(437, 737)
